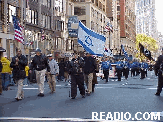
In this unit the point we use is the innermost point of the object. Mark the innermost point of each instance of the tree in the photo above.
(148, 42)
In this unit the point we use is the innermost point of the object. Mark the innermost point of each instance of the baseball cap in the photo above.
(49, 55)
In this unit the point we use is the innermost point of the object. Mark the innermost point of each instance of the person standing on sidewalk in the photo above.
(0, 79)
(54, 71)
(26, 81)
(40, 64)
(19, 62)
(158, 68)
(89, 68)
(5, 74)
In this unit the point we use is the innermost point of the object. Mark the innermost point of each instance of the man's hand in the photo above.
(30, 71)
(57, 74)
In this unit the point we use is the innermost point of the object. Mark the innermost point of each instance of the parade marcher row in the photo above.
(82, 71)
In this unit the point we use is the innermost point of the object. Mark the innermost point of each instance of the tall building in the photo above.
(145, 17)
(92, 14)
(113, 13)
(44, 24)
(128, 25)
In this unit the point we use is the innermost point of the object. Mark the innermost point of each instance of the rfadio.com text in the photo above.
(125, 116)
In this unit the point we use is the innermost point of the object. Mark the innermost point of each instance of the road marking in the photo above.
(151, 88)
(65, 119)
(105, 84)
(103, 87)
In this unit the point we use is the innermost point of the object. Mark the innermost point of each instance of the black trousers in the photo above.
(160, 83)
(106, 74)
(146, 73)
(126, 73)
(132, 72)
(77, 80)
(142, 74)
(119, 74)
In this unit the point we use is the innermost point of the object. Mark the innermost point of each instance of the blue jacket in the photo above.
(126, 64)
(105, 65)
(135, 65)
(119, 65)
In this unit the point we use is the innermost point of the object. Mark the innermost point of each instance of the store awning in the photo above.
(2, 49)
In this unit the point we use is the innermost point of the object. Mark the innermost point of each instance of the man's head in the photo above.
(38, 52)
(49, 56)
(19, 52)
(106, 58)
(88, 54)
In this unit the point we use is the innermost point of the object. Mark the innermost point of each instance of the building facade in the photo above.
(145, 17)
(45, 26)
(113, 13)
(92, 14)
(128, 26)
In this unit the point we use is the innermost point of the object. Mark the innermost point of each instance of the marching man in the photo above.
(54, 71)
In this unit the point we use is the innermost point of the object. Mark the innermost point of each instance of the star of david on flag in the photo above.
(18, 30)
(91, 41)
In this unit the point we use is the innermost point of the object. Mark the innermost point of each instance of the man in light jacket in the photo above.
(54, 71)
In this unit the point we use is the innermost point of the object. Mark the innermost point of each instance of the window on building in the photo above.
(11, 11)
(32, 17)
(44, 2)
(101, 17)
(92, 25)
(92, 1)
(100, 5)
(96, 2)
(84, 22)
(97, 15)
(104, 19)
(44, 20)
(79, 11)
(118, 8)
(36, 18)
(49, 3)
(104, 8)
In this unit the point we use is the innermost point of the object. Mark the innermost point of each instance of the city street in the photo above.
(132, 95)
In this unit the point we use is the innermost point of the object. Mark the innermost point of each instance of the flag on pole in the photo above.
(146, 52)
(109, 27)
(18, 30)
(91, 41)
(108, 52)
(125, 53)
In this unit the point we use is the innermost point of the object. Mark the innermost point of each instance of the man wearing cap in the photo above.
(54, 71)
(19, 62)
(40, 64)
(76, 71)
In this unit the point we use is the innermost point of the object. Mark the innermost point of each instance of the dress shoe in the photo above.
(41, 95)
(18, 99)
(157, 94)
(72, 97)
(83, 96)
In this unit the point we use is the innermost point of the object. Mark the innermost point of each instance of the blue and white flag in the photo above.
(125, 53)
(92, 42)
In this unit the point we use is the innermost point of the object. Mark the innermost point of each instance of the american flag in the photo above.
(109, 27)
(18, 30)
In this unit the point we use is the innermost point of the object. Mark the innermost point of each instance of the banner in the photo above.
(92, 42)
(146, 52)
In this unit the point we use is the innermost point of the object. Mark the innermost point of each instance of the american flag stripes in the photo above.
(109, 27)
(18, 30)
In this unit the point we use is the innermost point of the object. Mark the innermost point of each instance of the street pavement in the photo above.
(126, 96)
